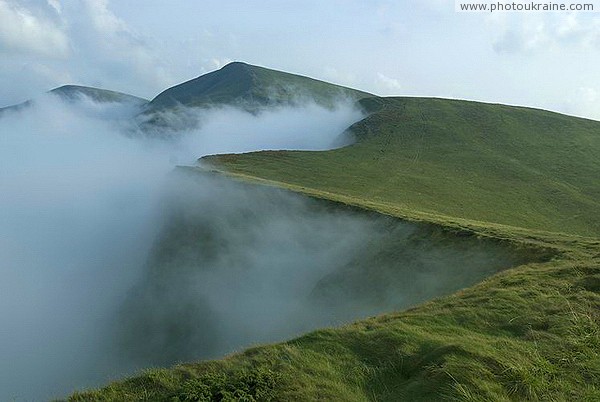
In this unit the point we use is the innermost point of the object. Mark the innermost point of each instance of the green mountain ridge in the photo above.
(236, 84)
(485, 162)
(244, 86)
(250, 86)
(75, 92)
(96, 94)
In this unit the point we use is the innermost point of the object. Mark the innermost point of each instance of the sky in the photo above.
(406, 48)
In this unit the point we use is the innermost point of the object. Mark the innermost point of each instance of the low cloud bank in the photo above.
(80, 209)
(238, 265)
(235, 265)
(112, 260)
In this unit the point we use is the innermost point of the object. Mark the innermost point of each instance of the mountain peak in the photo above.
(236, 64)
(250, 86)
(218, 86)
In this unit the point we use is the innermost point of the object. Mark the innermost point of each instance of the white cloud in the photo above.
(55, 4)
(540, 32)
(217, 63)
(588, 94)
(519, 34)
(388, 85)
(22, 30)
(584, 101)
(338, 76)
(44, 42)
(103, 19)
(118, 49)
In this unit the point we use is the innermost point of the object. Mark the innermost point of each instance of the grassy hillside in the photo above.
(241, 85)
(491, 163)
(96, 94)
(74, 92)
(529, 333)
(250, 86)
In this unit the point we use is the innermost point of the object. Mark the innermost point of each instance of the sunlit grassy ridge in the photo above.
(528, 333)
(494, 163)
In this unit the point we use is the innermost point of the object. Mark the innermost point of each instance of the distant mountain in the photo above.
(96, 94)
(242, 85)
(251, 86)
(75, 92)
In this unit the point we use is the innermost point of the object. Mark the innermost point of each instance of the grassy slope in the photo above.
(532, 332)
(500, 164)
(73, 92)
(96, 94)
(241, 83)
(527, 333)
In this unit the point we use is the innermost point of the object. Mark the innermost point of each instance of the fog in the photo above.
(81, 205)
(238, 264)
(113, 260)
(235, 265)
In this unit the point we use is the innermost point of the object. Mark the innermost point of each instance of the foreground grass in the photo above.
(528, 333)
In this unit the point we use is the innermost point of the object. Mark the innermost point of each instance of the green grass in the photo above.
(529, 333)
(73, 92)
(493, 163)
(241, 85)
(250, 86)
(96, 94)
